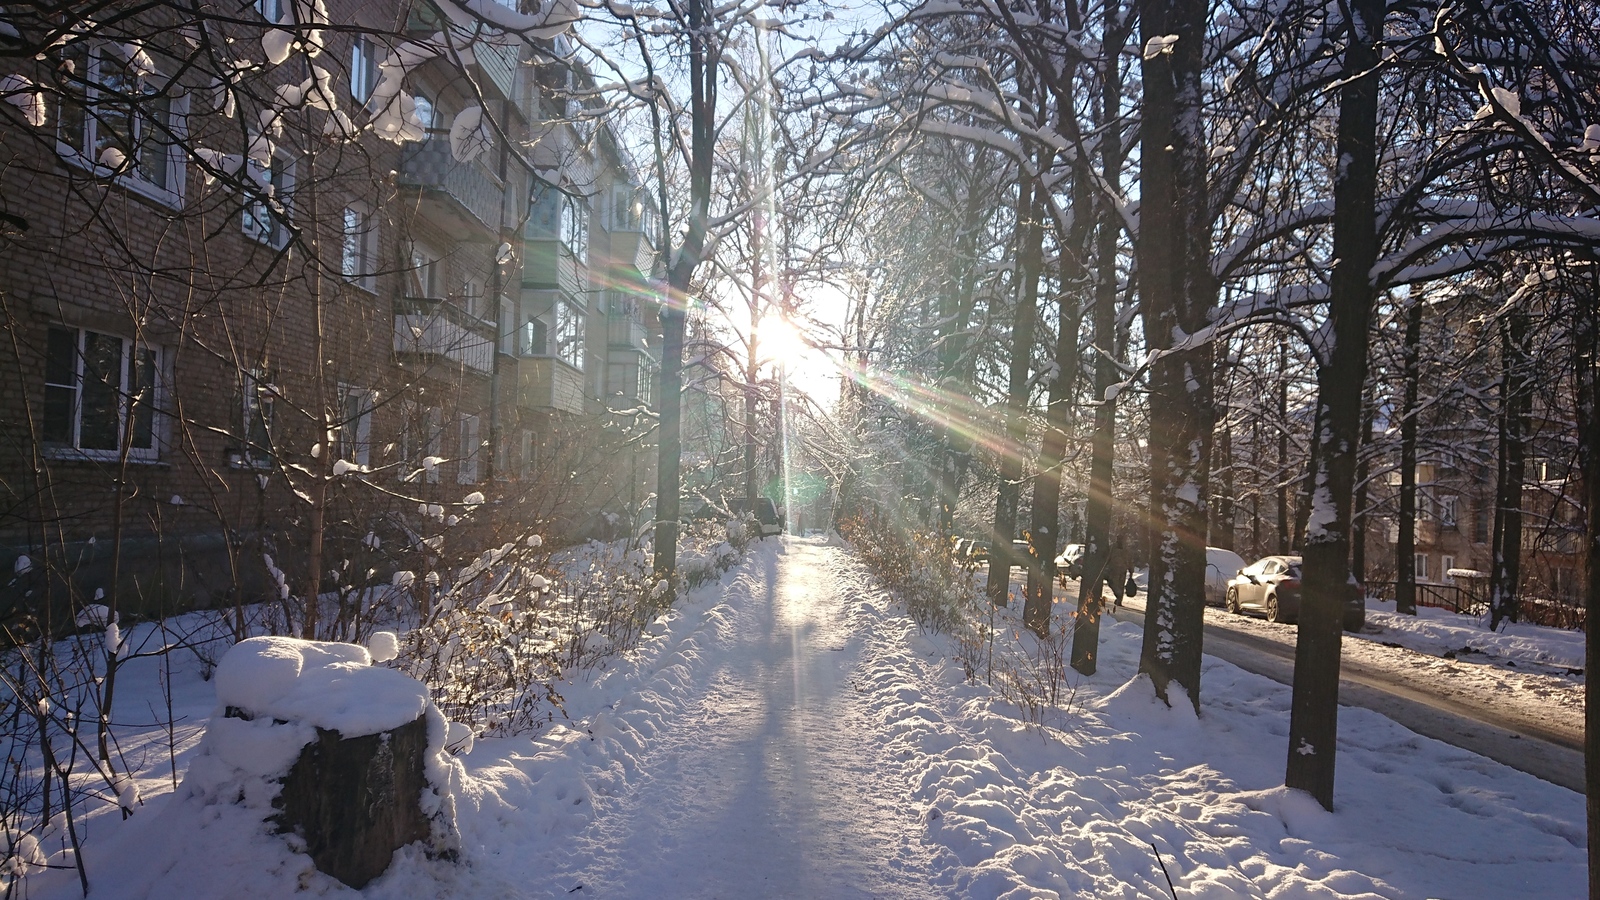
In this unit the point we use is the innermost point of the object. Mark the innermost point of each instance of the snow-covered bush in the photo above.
(919, 568)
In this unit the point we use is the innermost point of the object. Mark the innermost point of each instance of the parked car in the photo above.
(768, 520)
(1221, 565)
(1271, 586)
(1070, 563)
(977, 551)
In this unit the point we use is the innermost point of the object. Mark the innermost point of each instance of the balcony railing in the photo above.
(544, 382)
(626, 331)
(632, 248)
(429, 165)
(435, 329)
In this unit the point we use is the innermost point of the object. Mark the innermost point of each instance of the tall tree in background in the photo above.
(704, 63)
(1336, 435)
(1178, 294)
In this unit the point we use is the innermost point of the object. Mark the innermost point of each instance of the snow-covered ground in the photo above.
(789, 732)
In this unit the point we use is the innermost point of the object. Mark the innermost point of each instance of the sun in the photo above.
(781, 342)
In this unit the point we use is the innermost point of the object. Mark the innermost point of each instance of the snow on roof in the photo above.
(1465, 573)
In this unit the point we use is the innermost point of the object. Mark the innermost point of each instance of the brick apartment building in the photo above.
(197, 374)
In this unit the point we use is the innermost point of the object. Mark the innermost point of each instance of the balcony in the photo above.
(465, 193)
(434, 330)
(544, 382)
(626, 331)
(633, 248)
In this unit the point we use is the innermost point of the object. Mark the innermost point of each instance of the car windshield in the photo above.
(1293, 571)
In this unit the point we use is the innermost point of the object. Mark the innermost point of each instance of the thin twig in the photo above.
(1164, 872)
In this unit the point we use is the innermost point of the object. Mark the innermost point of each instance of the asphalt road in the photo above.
(1542, 749)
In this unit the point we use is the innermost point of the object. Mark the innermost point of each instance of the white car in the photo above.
(1221, 566)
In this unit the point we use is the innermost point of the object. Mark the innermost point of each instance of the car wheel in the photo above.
(1233, 601)
(1272, 607)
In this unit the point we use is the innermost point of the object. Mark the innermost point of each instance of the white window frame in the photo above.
(573, 227)
(271, 10)
(570, 333)
(470, 449)
(354, 426)
(427, 271)
(1447, 509)
(257, 406)
(260, 221)
(530, 454)
(132, 175)
(359, 257)
(472, 297)
(74, 384)
(1446, 563)
(363, 69)
(430, 419)
(1419, 566)
(427, 113)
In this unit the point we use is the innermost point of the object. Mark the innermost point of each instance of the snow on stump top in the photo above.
(327, 685)
(357, 750)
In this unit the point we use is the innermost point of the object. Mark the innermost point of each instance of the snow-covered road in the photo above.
(767, 785)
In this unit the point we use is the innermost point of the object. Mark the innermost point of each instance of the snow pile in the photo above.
(273, 693)
(1439, 631)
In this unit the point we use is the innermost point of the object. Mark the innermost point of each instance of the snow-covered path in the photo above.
(765, 785)
(789, 731)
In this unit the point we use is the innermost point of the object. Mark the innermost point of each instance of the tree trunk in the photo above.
(1358, 503)
(669, 450)
(356, 801)
(955, 313)
(1174, 258)
(1103, 446)
(1405, 551)
(1283, 445)
(1222, 521)
(1505, 564)
(1030, 238)
(1314, 706)
(1586, 344)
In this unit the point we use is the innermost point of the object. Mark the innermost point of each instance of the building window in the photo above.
(472, 298)
(363, 69)
(100, 390)
(471, 443)
(569, 333)
(575, 227)
(256, 426)
(271, 10)
(355, 424)
(1419, 562)
(266, 213)
(421, 436)
(425, 274)
(530, 454)
(1446, 563)
(122, 120)
(533, 338)
(1447, 510)
(360, 256)
(427, 114)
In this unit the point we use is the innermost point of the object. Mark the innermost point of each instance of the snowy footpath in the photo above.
(789, 732)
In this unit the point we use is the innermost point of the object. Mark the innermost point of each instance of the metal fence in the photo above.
(1464, 599)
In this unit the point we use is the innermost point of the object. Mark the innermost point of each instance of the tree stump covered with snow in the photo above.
(356, 748)
(356, 800)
